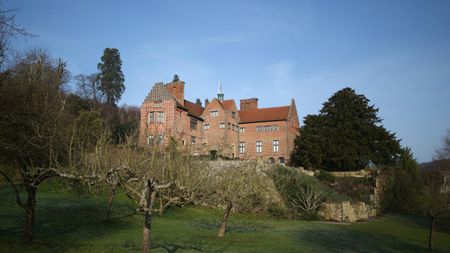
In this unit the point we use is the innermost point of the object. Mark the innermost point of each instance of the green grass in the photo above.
(69, 223)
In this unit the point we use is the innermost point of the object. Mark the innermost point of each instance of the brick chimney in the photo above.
(177, 90)
(249, 103)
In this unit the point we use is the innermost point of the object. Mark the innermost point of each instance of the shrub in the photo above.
(302, 194)
(326, 176)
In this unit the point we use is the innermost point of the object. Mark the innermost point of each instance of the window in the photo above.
(214, 113)
(158, 103)
(267, 128)
(151, 117)
(193, 139)
(222, 125)
(193, 123)
(159, 139)
(276, 145)
(242, 129)
(241, 147)
(258, 146)
(233, 115)
(229, 125)
(160, 117)
(150, 140)
(206, 126)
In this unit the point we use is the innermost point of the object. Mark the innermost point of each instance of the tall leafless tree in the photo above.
(34, 125)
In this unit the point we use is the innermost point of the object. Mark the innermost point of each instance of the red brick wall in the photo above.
(250, 136)
(177, 90)
(224, 140)
(176, 123)
(251, 103)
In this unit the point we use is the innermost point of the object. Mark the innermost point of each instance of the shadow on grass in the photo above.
(344, 240)
(64, 222)
(178, 245)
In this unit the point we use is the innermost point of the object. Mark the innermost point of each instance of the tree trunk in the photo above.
(110, 202)
(430, 236)
(223, 225)
(149, 195)
(29, 211)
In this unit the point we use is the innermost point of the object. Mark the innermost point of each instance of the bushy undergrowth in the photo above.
(302, 194)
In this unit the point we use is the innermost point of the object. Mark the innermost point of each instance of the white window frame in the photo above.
(151, 117)
(150, 139)
(214, 113)
(222, 125)
(259, 146)
(160, 117)
(275, 145)
(242, 147)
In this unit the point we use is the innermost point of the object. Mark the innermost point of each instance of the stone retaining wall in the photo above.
(346, 211)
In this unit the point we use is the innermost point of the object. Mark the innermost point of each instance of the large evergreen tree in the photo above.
(111, 76)
(347, 134)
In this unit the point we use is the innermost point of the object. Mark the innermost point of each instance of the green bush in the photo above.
(326, 176)
(302, 194)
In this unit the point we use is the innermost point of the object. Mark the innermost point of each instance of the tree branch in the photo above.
(16, 191)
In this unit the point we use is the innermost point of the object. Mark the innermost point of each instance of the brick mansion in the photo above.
(218, 127)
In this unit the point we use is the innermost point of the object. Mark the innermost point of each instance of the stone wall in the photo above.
(346, 211)
(360, 173)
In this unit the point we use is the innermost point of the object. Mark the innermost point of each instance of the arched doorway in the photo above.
(271, 160)
(281, 160)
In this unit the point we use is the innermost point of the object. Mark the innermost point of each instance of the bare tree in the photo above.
(34, 125)
(433, 203)
(88, 88)
(444, 152)
(244, 188)
(9, 30)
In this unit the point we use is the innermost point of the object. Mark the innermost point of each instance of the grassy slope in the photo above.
(69, 223)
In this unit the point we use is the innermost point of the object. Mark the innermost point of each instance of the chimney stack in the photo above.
(249, 103)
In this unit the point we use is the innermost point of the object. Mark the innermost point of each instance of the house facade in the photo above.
(218, 127)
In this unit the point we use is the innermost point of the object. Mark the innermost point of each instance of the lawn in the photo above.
(66, 222)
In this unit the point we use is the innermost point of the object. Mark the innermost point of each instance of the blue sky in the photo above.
(396, 53)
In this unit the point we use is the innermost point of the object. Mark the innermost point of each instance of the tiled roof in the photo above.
(227, 104)
(193, 108)
(264, 114)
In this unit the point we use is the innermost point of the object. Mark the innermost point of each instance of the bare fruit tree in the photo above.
(35, 126)
(245, 188)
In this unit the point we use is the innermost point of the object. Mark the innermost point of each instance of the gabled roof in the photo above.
(228, 104)
(264, 114)
(193, 108)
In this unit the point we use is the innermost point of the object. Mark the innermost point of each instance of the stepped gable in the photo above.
(158, 92)
(264, 114)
